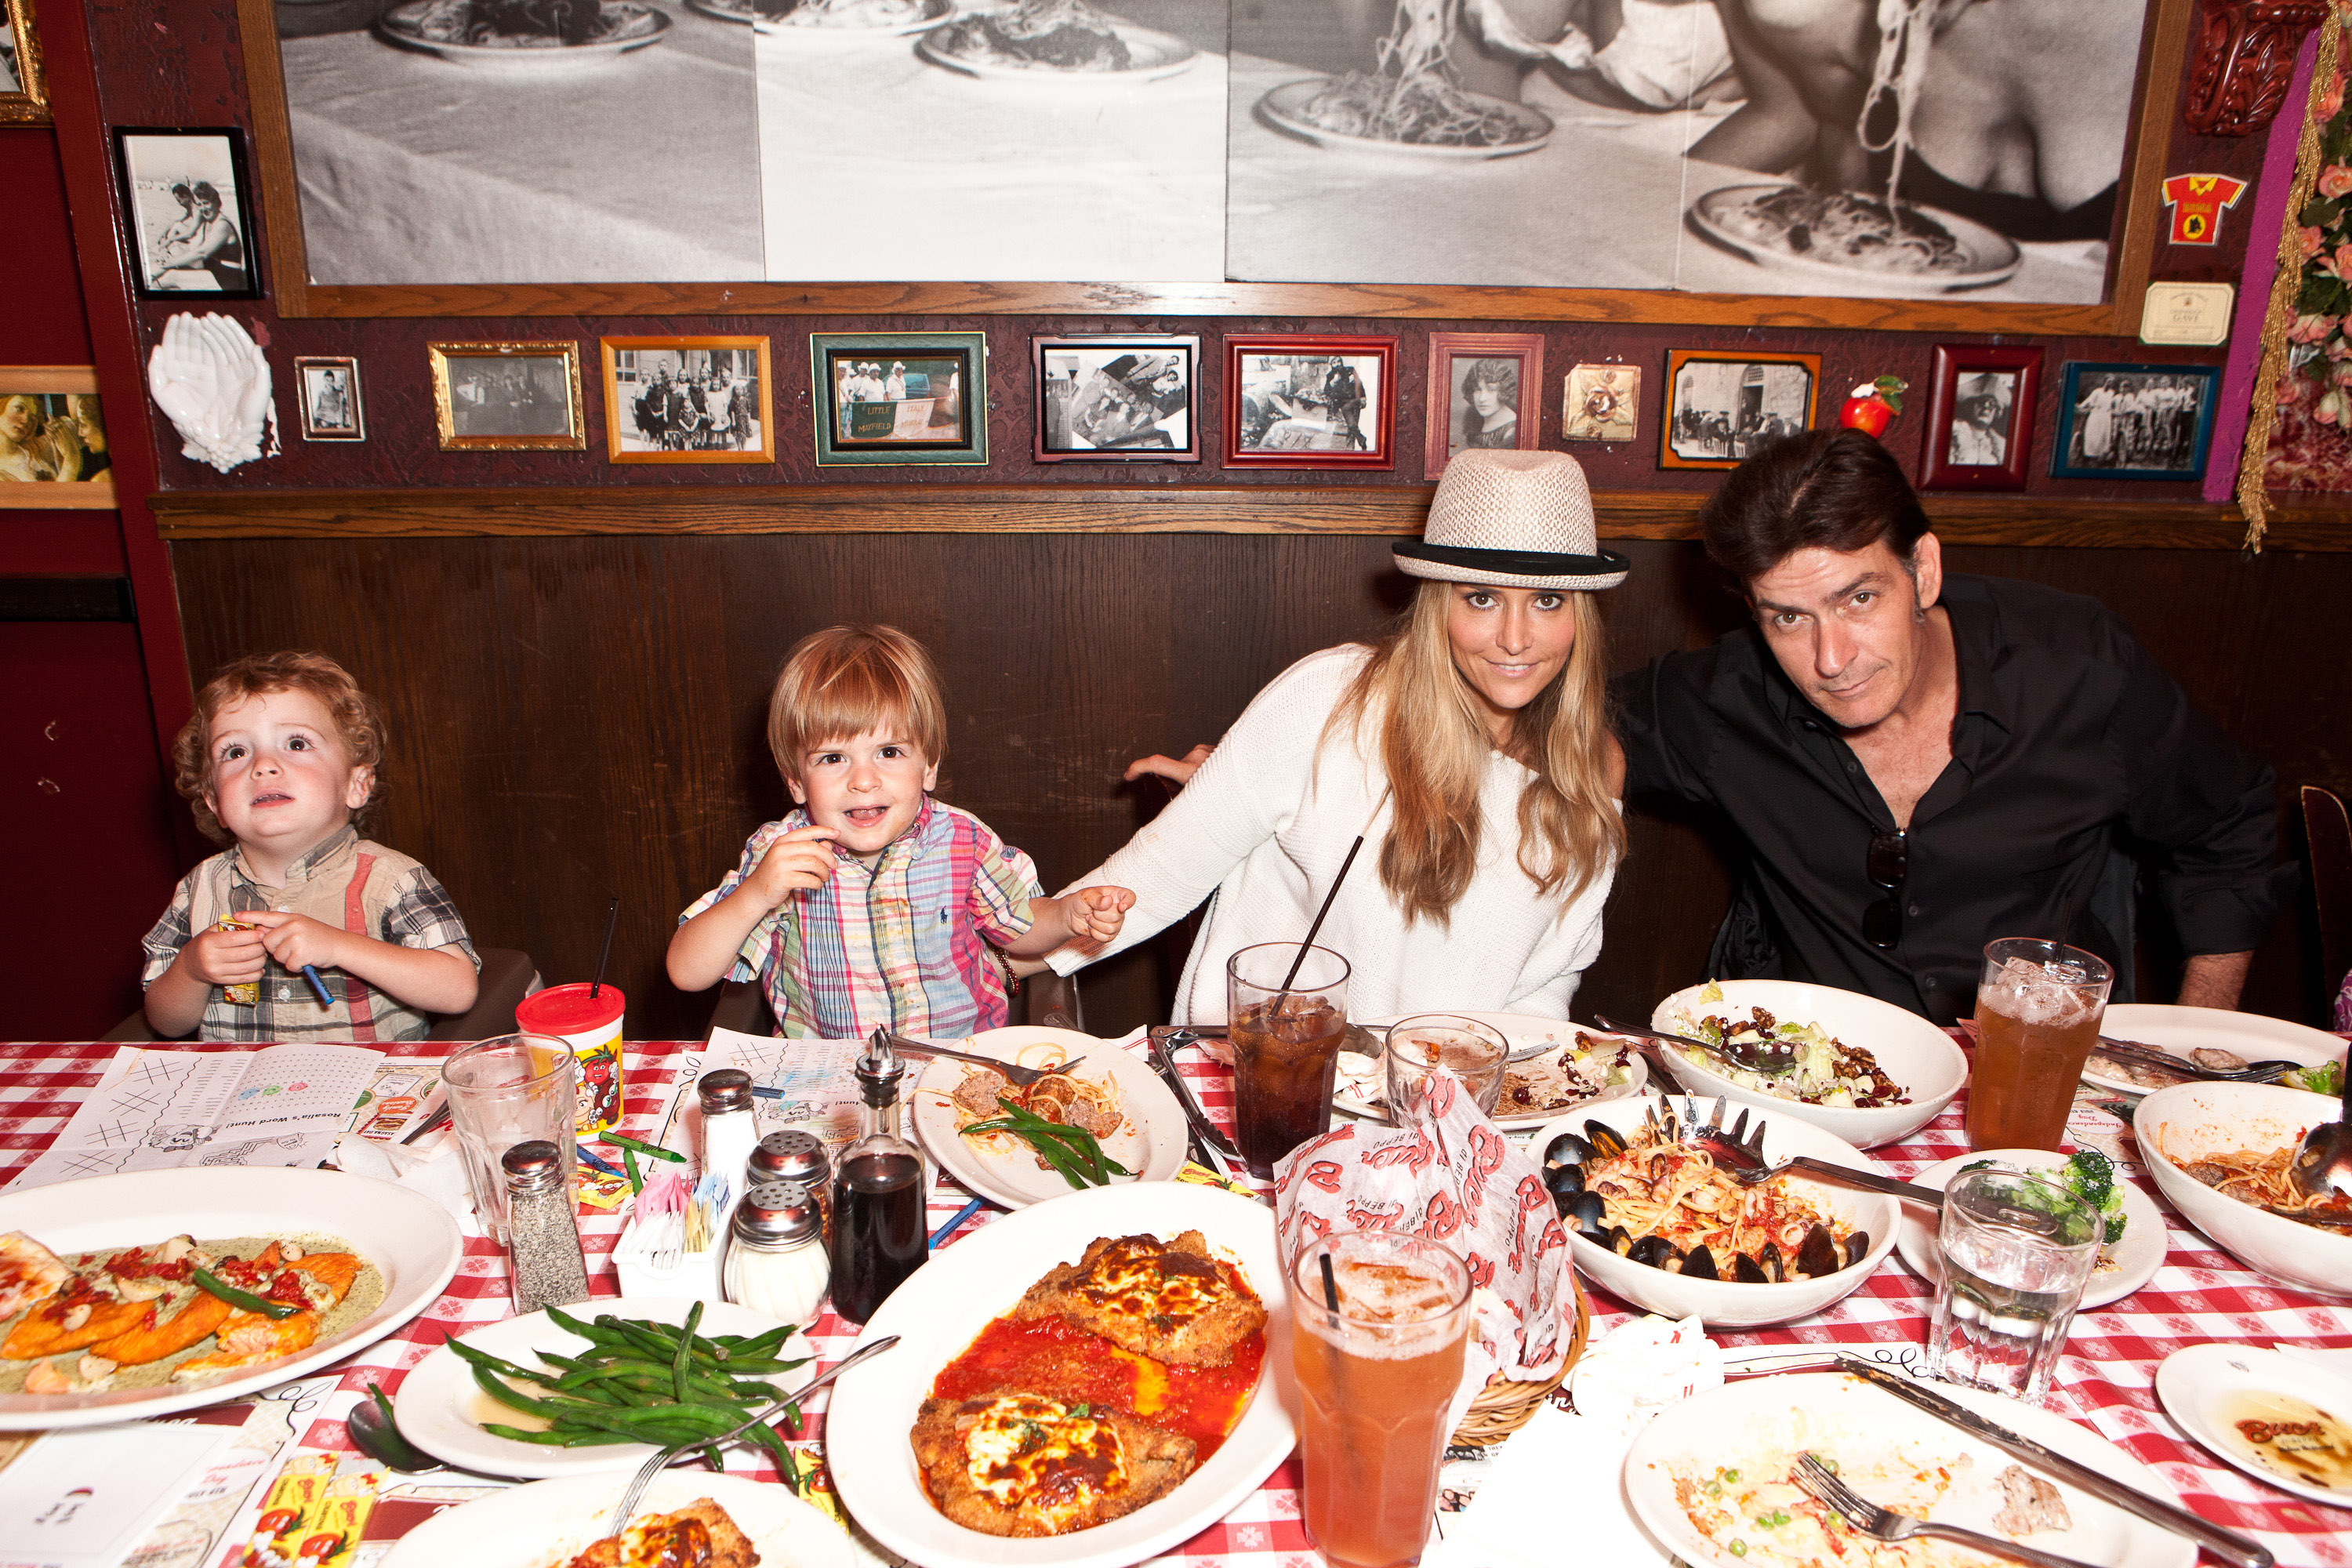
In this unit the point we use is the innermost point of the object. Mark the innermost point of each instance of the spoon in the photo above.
(372, 1427)
(2322, 1168)
(1770, 1057)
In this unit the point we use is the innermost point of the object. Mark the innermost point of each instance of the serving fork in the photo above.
(1015, 1073)
(1769, 1057)
(1822, 1485)
(1739, 1154)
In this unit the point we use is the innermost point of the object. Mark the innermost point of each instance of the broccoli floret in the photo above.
(2327, 1078)
(2090, 1176)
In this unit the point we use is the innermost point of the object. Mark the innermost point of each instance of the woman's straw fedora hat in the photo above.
(1513, 520)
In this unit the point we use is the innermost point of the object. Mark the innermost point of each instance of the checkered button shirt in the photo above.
(402, 903)
(902, 944)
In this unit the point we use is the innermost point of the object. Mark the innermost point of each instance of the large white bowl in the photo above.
(2190, 1121)
(1727, 1303)
(1912, 1051)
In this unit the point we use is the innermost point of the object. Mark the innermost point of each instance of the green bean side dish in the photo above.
(643, 1382)
(1073, 1151)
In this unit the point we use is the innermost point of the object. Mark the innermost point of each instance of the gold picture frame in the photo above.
(26, 100)
(500, 394)
(53, 386)
(637, 433)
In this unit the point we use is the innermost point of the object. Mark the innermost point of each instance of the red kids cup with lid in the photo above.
(591, 1025)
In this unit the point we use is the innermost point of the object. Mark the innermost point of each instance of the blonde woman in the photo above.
(1469, 747)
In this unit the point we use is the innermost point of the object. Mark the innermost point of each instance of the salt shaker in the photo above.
(545, 1266)
(776, 1261)
(729, 1131)
(795, 1157)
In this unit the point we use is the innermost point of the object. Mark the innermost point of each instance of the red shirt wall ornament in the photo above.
(2197, 202)
(2242, 59)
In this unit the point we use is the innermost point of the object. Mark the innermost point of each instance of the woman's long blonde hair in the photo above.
(1435, 743)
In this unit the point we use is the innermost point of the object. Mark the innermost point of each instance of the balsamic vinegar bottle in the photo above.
(877, 1194)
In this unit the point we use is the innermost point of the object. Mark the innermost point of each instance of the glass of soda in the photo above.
(1285, 1045)
(2018, 1249)
(2038, 1006)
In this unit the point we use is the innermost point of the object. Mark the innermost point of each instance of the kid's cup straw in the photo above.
(611, 918)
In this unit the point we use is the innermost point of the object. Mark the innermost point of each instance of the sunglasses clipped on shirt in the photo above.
(1888, 863)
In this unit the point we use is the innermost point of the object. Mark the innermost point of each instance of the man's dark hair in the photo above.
(1823, 489)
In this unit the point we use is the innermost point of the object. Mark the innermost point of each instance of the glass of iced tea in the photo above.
(1471, 1051)
(1376, 1378)
(1285, 1045)
(2039, 1003)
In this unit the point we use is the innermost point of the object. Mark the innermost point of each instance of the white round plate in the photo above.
(1837, 1415)
(1524, 1032)
(553, 1521)
(1152, 56)
(932, 13)
(411, 1239)
(1151, 1141)
(2199, 1386)
(440, 1408)
(2137, 1256)
(1992, 256)
(1284, 108)
(644, 28)
(2182, 1029)
(955, 1295)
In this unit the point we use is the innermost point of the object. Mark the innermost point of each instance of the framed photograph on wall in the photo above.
(1980, 418)
(53, 445)
(328, 387)
(1117, 397)
(687, 400)
(24, 95)
(1720, 407)
(1479, 383)
(1601, 403)
(187, 216)
(2135, 421)
(1293, 401)
(507, 397)
(900, 397)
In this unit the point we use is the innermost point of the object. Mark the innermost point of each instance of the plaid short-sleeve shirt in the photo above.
(901, 944)
(400, 902)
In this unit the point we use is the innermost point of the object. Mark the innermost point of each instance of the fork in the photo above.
(1015, 1073)
(1739, 1154)
(1866, 1516)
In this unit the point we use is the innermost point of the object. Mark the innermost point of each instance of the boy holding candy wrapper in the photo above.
(280, 761)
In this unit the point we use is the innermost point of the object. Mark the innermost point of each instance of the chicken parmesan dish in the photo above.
(698, 1535)
(176, 1312)
(1106, 1386)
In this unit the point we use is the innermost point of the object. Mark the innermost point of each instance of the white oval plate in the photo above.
(1151, 1141)
(931, 15)
(2182, 1029)
(1283, 107)
(2137, 1256)
(440, 1408)
(955, 1295)
(397, 27)
(1522, 1030)
(1152, 56)
(2197, 1383)
(1842, 1415)
(411, 1239)
(551, 1522)
(1992, 256)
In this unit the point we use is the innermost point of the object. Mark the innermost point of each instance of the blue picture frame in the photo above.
(2125, 422)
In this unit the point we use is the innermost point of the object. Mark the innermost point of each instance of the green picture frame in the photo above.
(880, 398)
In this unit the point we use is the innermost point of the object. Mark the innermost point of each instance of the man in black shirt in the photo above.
(1919, 763)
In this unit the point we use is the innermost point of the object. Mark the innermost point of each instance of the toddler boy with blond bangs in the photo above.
(872, 905)
(280, 763)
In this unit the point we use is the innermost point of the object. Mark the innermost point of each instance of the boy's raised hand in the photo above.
(1096, 914)
(800, 858)
(231, 957)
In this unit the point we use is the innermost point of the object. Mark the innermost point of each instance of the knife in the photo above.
(1158, 1039)
(2228, 1545)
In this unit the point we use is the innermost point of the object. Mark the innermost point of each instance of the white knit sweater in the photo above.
(1265, 830)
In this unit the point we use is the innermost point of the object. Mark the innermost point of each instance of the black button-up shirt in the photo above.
(2069, 744)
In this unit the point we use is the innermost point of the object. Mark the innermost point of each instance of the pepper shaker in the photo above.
(795, 1157)
(545, 1265)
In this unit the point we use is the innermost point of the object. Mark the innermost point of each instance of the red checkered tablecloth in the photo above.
(2106, 1380)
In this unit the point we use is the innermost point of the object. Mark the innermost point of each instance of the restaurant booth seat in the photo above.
(507, 976)
(2328, 835)
(1046, 999)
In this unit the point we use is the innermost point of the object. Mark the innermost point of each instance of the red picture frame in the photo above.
(1277, 415)
(1451, 404)
(1952, 460)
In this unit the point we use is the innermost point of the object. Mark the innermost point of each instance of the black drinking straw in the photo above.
(1274, 1011)
(612, 918)
(1330, 1288)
